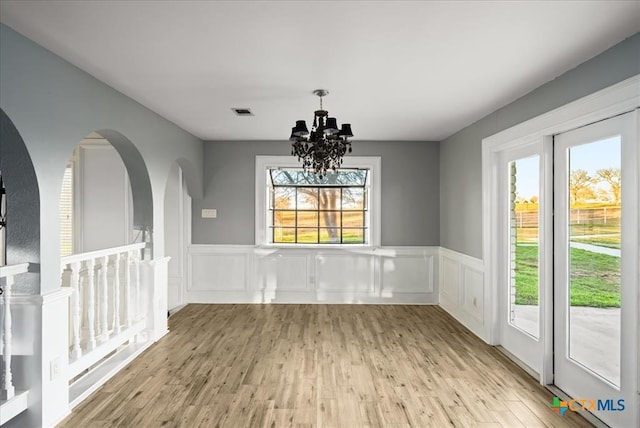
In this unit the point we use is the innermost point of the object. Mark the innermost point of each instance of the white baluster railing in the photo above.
(128, 318)
(91, 303)
(116, 294)
(7, 279)
(75, 310)
(104, 298)
(102, 315)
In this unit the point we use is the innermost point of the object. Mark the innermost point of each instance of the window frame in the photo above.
(264, 163)
(319, 211)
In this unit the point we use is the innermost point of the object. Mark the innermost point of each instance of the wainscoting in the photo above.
(462, 291)
(249, 274)
(395, 275)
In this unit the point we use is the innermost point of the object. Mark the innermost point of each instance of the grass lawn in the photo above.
(595, 278)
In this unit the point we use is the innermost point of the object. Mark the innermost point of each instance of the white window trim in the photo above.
(616, 99)
(373, 163)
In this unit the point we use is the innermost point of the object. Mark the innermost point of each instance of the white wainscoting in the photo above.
(462, 291)
(249, 274)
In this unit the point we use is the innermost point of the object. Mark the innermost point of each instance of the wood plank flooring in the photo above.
(319, 366)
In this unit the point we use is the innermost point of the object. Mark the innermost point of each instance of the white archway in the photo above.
(22, 204)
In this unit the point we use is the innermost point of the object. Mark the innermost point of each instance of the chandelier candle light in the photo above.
(326, 145)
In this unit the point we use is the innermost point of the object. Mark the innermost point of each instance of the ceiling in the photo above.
(396, 70)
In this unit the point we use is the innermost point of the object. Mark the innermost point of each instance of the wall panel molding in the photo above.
(218, 269)
(253, 274)
(462, 291)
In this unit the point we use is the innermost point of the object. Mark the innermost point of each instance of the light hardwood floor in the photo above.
(319, 365)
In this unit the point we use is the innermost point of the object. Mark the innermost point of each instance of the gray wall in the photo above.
(410, 190)
(461, 154)
(53, 106)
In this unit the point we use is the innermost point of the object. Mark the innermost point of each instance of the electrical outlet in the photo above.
(55, 368)
(209, 213)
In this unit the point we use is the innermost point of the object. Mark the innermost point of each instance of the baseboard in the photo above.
(283, 297)
(172, 311)
(105, 371)
(64, 416)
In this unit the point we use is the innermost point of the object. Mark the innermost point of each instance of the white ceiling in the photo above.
(396, 70)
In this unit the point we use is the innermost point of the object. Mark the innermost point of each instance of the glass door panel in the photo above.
(522, 201)
(596, 249)
(524, 195)
(594, 209)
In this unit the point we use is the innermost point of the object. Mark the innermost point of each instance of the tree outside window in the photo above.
(306, 209)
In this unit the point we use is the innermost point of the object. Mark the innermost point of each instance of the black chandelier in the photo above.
(3, 225)
(326, 145)
(3, 205)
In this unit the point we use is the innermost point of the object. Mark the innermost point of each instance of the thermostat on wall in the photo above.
(209, 213)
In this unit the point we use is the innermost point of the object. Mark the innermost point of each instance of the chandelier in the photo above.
(326, 145)
(3, 206)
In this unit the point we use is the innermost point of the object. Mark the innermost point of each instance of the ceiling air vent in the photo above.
(242, 111)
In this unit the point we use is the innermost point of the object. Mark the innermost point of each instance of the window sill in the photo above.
(344, 247)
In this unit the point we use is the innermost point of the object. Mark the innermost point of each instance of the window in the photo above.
(305, 209)
(294, 207)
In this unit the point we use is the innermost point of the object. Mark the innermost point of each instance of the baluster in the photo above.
(7, 391)
(116, 294)
(104, 299)
(65, 282)
(136, 266)
(76, 351)
(91, 309)
(127, 289)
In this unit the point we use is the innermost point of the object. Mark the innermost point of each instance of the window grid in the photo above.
(318, 210)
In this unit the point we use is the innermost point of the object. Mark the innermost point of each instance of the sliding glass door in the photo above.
(596, 267)
(523, 203)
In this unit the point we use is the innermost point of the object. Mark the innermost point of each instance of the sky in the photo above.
(590, 157)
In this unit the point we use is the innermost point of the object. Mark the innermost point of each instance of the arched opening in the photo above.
(96, 208)
(20, 259)
(140, 187)
(105, 197)
(21, 232)
(106, 238)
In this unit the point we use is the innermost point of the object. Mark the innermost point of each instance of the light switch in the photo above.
(209, 213)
